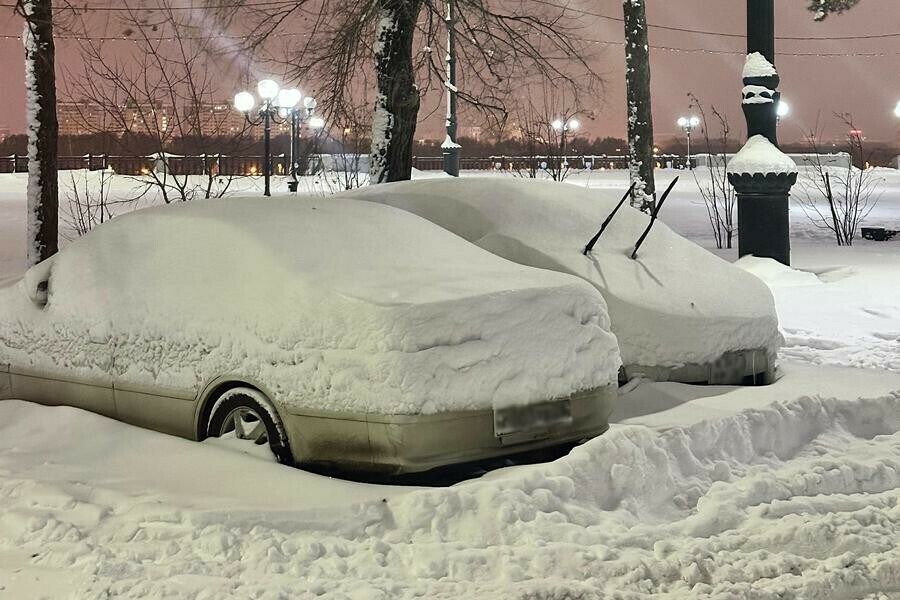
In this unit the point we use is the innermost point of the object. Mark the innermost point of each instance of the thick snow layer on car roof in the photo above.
(330, 303)
(675, 304)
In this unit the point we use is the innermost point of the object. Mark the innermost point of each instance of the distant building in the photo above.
(215, 119)
(82, 118)
(149, 118)
(4, 132)
(473, 132)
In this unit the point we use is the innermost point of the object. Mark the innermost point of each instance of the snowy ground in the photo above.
(788, 491)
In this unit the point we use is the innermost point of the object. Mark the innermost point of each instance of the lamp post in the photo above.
(761, 174)
(688, 124)
(275, 103)
(562, 128)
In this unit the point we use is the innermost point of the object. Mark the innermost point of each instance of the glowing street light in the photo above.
(688, 124)
(276, 102)
(897, 110)
(563, 127)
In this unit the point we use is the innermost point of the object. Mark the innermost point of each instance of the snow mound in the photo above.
(757, 65)
(775, 274)
(759, 155)
(330, 304)
(676, 304)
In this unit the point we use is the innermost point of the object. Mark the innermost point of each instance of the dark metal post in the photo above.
(267, 150)
(763, 224)
(450, 148)
(295, 148)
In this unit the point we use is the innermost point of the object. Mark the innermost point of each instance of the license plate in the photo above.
(532, 417)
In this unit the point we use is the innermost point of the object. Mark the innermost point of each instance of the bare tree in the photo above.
(640, 116)
(162, 94)
(718, 195)
(547, 124)
(43, 129)
(499, 45)
(89, 204)
(838, 198)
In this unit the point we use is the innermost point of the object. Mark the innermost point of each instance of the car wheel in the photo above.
(252, 418)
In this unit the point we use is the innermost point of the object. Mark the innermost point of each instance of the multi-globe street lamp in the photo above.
(688, 124)
(275, 103)
(562, 128)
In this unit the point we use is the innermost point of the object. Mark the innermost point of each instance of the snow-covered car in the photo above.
(340, 332)
(679, 312)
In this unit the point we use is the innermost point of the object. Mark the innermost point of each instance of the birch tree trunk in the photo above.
(43, 130)
(640, 118)
(397, 102)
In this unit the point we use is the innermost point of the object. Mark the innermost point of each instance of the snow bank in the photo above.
(775, 274)
(675, 304)
(797, 500)
(333, 304)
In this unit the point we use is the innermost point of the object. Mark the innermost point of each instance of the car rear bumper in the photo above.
(742, 367)
(389, 444)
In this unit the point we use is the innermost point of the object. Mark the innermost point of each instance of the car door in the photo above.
(54, 358)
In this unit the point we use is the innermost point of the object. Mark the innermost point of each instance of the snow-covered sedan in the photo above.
(680, 313)
(339, 332)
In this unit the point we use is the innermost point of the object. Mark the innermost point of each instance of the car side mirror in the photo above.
(37, 282)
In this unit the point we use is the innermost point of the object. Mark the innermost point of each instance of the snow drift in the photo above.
(675, 304)
(332, 304)
(795, 500)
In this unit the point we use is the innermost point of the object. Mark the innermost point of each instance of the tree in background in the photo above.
(717, 193)
(640, 117)
(823, 8)
(43, 129)
(838, 197)
(500, 44)
(160, 100)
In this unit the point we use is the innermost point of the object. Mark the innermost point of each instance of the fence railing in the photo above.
(540, 163)
(144, 165)
(253, 165)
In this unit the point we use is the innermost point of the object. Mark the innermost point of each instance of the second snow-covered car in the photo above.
(680, 313)
(339, 332)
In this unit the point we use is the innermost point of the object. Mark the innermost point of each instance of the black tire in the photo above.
(254, 405)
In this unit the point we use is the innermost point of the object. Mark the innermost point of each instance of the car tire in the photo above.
(253, 418)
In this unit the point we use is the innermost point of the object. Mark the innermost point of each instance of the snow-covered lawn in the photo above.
(788, 491)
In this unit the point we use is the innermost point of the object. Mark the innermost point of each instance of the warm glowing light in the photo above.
(573, 124)
(897, 110)
(244, 102)
(267, 89)
(253, 170)
(309, 103)
(783, 109)
(557, 125)
(288, 98)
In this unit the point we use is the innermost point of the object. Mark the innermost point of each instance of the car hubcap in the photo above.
(246, 425)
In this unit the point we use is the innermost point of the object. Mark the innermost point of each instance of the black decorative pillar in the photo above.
(761, 175)
(450, 148)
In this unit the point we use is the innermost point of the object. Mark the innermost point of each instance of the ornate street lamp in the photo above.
(563, 128)
(761, 174)
(275, 103)
(688, 124)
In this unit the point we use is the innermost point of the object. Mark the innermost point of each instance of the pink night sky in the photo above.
(851, 80)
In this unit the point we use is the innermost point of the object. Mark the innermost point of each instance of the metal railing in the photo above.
(253, 165)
